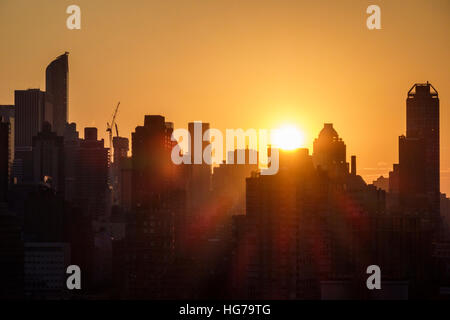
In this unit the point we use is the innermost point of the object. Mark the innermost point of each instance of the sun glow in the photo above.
(288, 137)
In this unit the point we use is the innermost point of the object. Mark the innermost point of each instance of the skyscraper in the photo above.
(57, 88)
(29, 118)
(157, 202)
(329, 151)
(422, 121)
(419, 150)
(152, 164)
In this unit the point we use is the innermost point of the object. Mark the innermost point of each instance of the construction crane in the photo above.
(109, 127)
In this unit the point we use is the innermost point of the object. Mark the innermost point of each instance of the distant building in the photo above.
(228, 183)
(420, 175)
(158, 203)
(91, 170)
(273, 213)
(306, 226)
(71, 148)
(329, 152)
(198, 179)
(382, 183)
(121, 148)
(445, 214)
(30, 115)
(7, 112)
(412, 176)
(153, 169)
(29, 118)
(57, 91)
(394, 180)
(126, 184)
(4, 159)
(422, 113)
(48, 158)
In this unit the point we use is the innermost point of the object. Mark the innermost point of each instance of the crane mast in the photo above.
(110, 126)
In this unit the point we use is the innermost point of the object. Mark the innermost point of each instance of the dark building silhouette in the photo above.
(157, 203)
(48, 159)
(126, 184)
(412, 174)
(414, 197)
(198, 179)
(422, 144)
(7, 112)
(46, 243)
(45, 217)
(121, 147)
(57, 87)
(353, 165)
(306, 228)
(422, 112)
(29, 118)
(91, 170)
(329, 152)
(394, 180)
(228, 183)
(153, 169)
(382, 183)
(272, 223)
(4, 159)
(71, 148)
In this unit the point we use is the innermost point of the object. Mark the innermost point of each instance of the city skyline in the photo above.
(264, 150)
(304, 78)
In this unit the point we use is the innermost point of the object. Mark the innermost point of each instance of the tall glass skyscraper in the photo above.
(57, 90)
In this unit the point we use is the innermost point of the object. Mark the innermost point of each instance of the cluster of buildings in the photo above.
(141, 227)
(54, 194)
(311, 231)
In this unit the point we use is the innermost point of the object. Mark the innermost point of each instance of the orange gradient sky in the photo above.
(239, 64)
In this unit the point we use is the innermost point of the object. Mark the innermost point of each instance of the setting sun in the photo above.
(288, 137)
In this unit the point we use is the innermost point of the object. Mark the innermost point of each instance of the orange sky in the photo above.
(239, 64)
